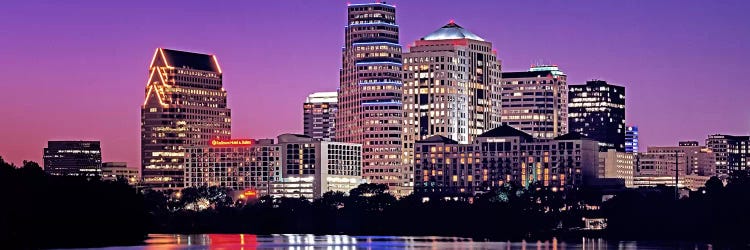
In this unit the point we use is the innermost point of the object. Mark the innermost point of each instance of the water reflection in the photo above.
(344, 242)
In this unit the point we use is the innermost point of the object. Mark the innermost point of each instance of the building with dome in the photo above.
(451, 87)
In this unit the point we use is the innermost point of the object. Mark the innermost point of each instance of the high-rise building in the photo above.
(370, 94)
(310, 167)
(536, 101)
(501, 155)
(451, 87)
(631, 139)
(617, 165)
(597, 111)
(73, 158)
(320, 115)
(113, 171)
(237, 164)
(185, 105)
(732, 152)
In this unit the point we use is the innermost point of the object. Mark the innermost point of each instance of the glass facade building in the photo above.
(319, 111)
(73, 158)
(185, 105)
(370, 94)
(597, 110)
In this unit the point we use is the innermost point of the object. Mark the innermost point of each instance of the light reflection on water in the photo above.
(344, 242)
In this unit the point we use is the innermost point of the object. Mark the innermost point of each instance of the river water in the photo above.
(344, 242)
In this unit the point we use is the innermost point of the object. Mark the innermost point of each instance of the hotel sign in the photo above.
(232, 143)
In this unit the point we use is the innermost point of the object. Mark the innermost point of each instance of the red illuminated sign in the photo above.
(231, 143)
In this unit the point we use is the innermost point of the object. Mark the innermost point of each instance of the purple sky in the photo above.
(77, 69)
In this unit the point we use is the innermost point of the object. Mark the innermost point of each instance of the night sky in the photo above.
(76, 70)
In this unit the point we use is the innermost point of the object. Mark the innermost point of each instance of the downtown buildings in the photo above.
(732, 152)
(451, 88)
(115, 171)
(185, 105)
(536, 101)
(294, 166)
(503, 155)
(631, 139)
(369, 95)
(687, 165)
(597, 110)
(73, 158)
(319, 111)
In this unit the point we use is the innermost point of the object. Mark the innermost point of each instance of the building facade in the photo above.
(732, 152)
(631, 139)
(311, 167)
(319, 112)
(237, 164)
(113, 171)
(536, 101)
(617, 165)
(451, 87)
(73, 158)
(370, 94)
(597, 111)
(503, 155)
(699, 160)
(185, 104)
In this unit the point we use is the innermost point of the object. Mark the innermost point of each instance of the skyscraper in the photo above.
(597, 111)
(370, 94)
(451, 87)
(320, 114)
(185, 105)
(536, 101)
(73, 158)
(732, 152)
(631, 139)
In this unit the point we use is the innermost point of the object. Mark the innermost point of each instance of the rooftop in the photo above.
(505, 131)
(190, 60)
(439, 139)
(452, 31)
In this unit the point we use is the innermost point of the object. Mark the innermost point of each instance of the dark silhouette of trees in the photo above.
(40, 211)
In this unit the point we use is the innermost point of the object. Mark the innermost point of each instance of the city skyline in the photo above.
(96, 90)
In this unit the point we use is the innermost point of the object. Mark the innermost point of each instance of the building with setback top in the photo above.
(536, 101)
(370, 94)
(185, 104)
(319, 111)
(451, 87)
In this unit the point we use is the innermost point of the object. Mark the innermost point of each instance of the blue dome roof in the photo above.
(452, 31)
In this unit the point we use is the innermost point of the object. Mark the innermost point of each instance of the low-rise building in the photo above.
(503, 155)
(112, 171)
(312, 167)
(617, 165)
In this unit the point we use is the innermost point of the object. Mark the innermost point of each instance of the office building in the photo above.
(73, 158)
(185, 104)
(731, 152)
(536, 101)
(311, 167)
(320, 115)
(451, 87)
(699, 160)
(503, 155)
(114, 171)
(597, 111)
(671, 165)
(614, 164)
(631, 139)
(370, 94)
(237, 164)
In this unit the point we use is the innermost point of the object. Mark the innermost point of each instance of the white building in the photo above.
(536, 101)
(618, 165)
(312, 167)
